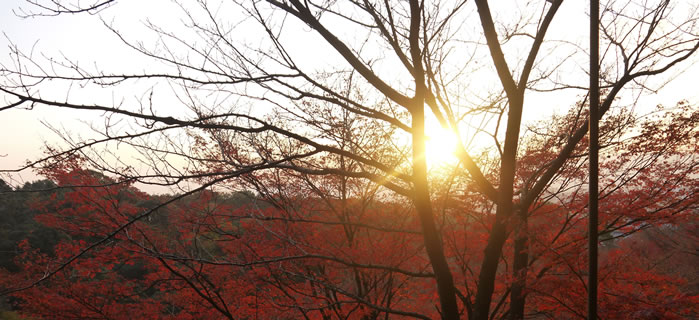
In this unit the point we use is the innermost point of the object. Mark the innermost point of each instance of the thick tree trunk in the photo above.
(423, 205)
(421, 197)
(486, 278)
(498, 234)
(519, 267)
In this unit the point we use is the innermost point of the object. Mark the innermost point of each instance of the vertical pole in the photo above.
(594, 164)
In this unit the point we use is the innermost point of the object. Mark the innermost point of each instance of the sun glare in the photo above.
(440, 147)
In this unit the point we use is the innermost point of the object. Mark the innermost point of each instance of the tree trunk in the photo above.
(498, 234)
(486, 278)
(519, 267)
(423, 206)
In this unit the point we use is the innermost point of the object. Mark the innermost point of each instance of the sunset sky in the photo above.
(83, 38)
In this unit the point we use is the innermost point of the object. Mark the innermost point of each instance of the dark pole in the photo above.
(594, 165)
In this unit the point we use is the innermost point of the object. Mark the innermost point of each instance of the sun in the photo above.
(440, 147)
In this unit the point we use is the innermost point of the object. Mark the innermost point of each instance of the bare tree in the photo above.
(358, 108)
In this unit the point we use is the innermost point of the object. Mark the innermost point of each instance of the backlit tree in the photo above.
(324, 110)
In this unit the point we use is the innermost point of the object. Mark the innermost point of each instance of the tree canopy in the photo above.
(317, 118)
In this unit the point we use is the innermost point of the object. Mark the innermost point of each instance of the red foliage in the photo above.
(299, 252)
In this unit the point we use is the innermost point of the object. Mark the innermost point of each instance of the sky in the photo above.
(83, 38)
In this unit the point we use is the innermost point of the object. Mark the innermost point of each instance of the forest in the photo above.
(329, 247)
(354, 160)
